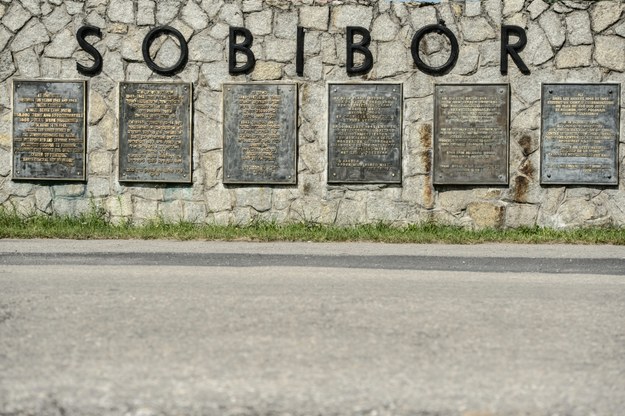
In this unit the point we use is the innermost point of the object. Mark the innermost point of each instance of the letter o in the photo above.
(184, 50)
(455, 50)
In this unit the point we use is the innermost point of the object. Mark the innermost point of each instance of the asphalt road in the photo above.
(140, 328)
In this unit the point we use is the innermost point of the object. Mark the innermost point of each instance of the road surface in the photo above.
(153, 328)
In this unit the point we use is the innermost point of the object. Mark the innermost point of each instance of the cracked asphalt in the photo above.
(156, 328)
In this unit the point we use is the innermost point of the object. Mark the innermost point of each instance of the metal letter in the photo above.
(358, 47)
(184, 50)
(243, 47)
(82, 33)
(513, 50)
(453, 57)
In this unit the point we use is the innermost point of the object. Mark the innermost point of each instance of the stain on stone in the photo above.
(5, 314)
(526, 144)
(425, 132)
(428, 193)
(527, 169)
(486, 214)
(521, 186)
(307, 188)
(426, 160)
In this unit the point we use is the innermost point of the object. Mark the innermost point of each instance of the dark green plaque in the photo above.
(580, 134)
(365, 133)
(471, 134)
(49, 130)
(155, 132)
(260, 133)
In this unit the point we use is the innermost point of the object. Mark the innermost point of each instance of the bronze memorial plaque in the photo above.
(365, 133)
(260, 133)
(155, 132)
(49, 130)
(471, 134)
(580, 134)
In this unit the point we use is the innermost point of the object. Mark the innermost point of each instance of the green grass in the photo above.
(95, 226)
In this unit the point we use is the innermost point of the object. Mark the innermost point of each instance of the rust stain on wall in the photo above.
(521, 186)
(528, 169)
(526, 144)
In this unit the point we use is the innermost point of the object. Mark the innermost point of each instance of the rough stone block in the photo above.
(604, 14)
(472, 8)
(578, 28)
(15, 17)
(266, 71)
(511, 7)
(538, 49)
(350, 15)
(260, 23)
(609, 52)
(28, 63)
(167, 10)
(231, 15)
(477, 29)
(521, 215)
(194, 212)
(145, 209)
(145, 12)
(574, 57)
(486, 214)
(194, 16)
(285, 25)
(32, 34)
(203, 48)
(553, 28)
(59, 47)
(313, 17)
(384, 28)
(122, 11)
(98, 187)
(536, 8)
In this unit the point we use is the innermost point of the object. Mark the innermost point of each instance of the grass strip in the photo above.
(95, 226)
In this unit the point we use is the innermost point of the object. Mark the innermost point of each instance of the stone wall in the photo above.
(568, 41)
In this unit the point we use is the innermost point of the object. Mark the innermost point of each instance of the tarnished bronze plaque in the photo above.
(155, 132)
(260, 133)
(580, 134)
(364, 133)
(471, 134)
(49, 130)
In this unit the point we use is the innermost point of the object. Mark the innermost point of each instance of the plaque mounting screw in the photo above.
(334, 174)
(549, 175)
(550, 91)
(501, 91)
(335, 90)
(610, 92)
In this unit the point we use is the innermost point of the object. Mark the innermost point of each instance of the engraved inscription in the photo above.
(580, 133)
(260, 133)
(471, 134)
(154, 132)
(49, 130)
(364, 131)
